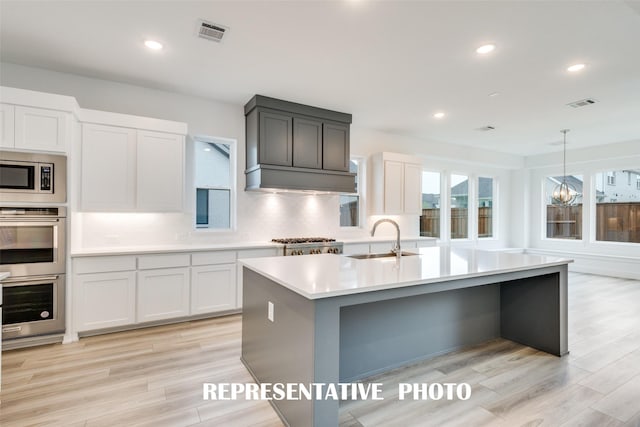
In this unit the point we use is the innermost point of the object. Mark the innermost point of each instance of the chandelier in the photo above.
(564, 193)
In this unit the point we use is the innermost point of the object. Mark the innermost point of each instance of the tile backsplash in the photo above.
(260, 217)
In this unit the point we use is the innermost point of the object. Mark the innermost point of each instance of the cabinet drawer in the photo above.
(148, 262)
(209, 258)
(104, 264)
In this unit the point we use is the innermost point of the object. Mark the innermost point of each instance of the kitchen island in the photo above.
(334, 319)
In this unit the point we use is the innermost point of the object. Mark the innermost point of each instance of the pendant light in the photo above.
(564, 193)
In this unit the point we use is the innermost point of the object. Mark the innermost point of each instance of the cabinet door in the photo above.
(412, 189)
(40, 129)
(104, 300)
(108, 168)
(335, 147)
(160, 171)
(307, 143)
(213, 288)
(7, 126)
(163, 294)
(393, 184)
(275, 147)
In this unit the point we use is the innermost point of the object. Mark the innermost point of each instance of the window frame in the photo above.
(233, 152)
(360, 161)
(494, 207)
(441, 219)
(593, 232)
(544, 223)
(470, 228)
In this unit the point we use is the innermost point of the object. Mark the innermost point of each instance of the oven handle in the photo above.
(11, 328)
(28, 221)
(31, 279)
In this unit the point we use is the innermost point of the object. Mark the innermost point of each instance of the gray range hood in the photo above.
(296, 147)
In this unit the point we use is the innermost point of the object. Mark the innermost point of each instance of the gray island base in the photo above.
(347, 319)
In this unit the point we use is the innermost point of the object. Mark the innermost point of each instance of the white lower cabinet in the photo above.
(162, 294)
(121, 290)
(213, 288)
(104, 300)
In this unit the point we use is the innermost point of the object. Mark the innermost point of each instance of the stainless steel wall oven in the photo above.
(33, 250)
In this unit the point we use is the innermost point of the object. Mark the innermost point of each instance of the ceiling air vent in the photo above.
(582, 103)
(486, 128)
(210, 31)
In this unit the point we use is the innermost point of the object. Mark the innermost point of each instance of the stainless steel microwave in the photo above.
(33, 177)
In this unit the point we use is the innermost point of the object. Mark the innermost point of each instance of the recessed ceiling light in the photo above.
(153, 45)
(207, 149)
(438, 115)
(575, 67)
(492, 94)
(486, 48)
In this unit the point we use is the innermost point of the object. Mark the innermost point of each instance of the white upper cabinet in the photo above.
(7, 126)
(127, 169)
(108, 168)
(35, 121)
(412, 195)
(395, 184)
(160, 171)
(40, 129)
(29, 128)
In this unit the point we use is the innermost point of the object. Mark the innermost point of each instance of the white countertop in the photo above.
(184, 247)
(197, 247)
(327, 275)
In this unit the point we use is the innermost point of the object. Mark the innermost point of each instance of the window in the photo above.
(350, 203)
(459, 206)
(617, 210)
(611, 178)
(430, 218)
(564, 221)
(485, 207)
(213, 182)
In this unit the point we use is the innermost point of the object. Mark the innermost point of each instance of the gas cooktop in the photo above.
(309, 245)
(295, 240)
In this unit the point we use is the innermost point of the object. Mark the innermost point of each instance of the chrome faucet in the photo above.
(396, 249)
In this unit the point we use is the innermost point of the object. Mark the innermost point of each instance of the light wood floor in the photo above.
(154, 376)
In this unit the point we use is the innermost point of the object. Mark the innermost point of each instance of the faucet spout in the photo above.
(396, 249)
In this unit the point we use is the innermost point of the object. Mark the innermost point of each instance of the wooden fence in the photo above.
(564, 222)
(615, 222)
(430, 222)
(618, 222)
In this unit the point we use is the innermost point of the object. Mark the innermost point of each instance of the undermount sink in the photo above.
(383, 255)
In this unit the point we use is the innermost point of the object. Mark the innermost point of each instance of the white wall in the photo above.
(611, 258)
(260, 216)
(448, 159)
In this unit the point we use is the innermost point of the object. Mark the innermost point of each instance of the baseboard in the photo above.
(604, 265)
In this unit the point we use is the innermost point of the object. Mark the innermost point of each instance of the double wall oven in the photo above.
(33, 250)
(32, 243)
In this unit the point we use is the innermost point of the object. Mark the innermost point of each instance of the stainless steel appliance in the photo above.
(309, 245)
(33, 250)
(32, 240)
(32, 306)
(33, 177)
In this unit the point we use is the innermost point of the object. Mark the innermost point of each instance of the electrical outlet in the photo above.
(270, 311)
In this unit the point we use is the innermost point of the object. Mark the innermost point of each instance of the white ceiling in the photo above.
(392, 64)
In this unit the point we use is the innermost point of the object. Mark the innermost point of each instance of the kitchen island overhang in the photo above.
(337, 319)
